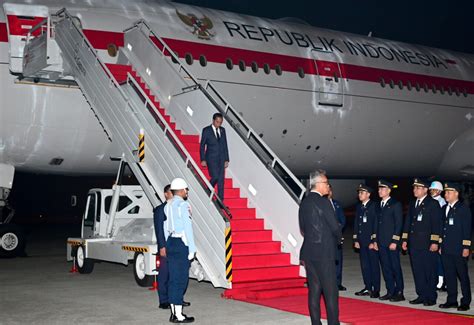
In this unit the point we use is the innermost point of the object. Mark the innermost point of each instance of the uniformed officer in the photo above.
(180, 248)
(387, 242)
(421, 236)
(365, 229)
(455, 247)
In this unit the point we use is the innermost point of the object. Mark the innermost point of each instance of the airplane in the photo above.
(356, 106)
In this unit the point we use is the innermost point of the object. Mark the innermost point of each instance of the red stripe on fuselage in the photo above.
(219, 54)
(3, 32)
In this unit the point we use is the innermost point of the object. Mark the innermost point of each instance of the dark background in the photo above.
(435, 23)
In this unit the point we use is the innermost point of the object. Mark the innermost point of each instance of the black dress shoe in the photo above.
(447, 305)
(429, 303)
(186, 319)
(186, 304)
(463, 308)
(398, 297)
(386, 297)
(164, 306)
(363, 292)
(417, 301)
(341, 288)
(374, 294)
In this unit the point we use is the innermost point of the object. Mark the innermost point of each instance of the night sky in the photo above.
(436, 23)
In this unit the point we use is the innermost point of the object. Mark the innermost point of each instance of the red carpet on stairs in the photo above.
(355, 311)
(260, 269)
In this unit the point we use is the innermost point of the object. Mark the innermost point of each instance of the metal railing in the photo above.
(281, 172)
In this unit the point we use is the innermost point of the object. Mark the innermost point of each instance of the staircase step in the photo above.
(251, 236)
(167, 118)
(190, 138)
(278, 293)
(255, 261)
(255, 224)
(232, 193)
(235, 202)
(192, 146)
(265, 273)
(243, 249)
(269, 284)
(243, 213)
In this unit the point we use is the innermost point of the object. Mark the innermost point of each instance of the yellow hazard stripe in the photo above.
(141, 147)
(75, 242)
(228, 254)
(135, 249)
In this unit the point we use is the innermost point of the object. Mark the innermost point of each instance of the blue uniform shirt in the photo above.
(178, 223)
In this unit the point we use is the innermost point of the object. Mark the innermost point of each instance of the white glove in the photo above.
(191, 256)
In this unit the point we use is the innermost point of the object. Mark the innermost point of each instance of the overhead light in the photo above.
(56, 161)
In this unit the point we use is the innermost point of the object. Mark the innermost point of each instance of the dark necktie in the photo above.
(417, 204)
(383, 204)
(218, 134)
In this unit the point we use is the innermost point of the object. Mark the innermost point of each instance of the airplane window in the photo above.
(464, 92)
(441, 90)
(301, 72)
(112, 50)
(400, 84)
(202, 60)
(189, 58)
(392, 84)
(229, 64)
(254, 66)
(409, 85)
(382, 82)
(425, 87)
(417, 86)
(242, 65)
(457, 92)
(266, 68)
(278, 69)
(450, 92)
(433, 87)
(173, 59)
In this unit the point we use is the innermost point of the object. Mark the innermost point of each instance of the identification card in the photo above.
(420, 217)
(364, 219)
(451, 221)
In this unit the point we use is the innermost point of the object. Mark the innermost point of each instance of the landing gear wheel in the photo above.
(84, 265)
(12, 241)
(141, 278)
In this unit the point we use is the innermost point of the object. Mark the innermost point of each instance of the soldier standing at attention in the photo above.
(389, 230)
(455, 247)
(365, 229)
(421, 238)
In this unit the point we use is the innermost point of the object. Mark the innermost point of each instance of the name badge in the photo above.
(451, 221)
(364, 219)
(420, 217)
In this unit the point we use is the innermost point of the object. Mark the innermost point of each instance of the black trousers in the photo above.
(455, 266)
(339, 265)
(217, 173)
(392, 270)
(425, 272)
(321, 277)
(369, 264)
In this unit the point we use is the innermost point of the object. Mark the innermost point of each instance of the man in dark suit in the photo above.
(341, 218)
(322, 233)
(159, 218)
(365, 230)
(389, 230)
(455, 247)
(421, 237)
(214, 152)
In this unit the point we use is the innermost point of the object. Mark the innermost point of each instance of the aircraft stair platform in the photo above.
(154, 109)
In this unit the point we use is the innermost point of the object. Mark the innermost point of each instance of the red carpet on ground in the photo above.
(355, 311)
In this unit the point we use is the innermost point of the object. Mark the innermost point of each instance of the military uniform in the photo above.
(421, 229)
(456, 236)
(389, 230)
(365, 229)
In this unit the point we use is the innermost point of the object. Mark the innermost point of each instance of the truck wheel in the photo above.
(84, 265)
(12, 240)
(142, 279)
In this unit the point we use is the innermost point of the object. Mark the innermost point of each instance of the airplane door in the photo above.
(331, 84)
